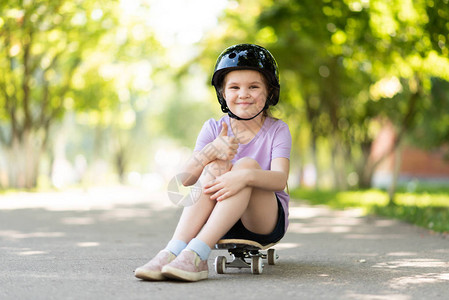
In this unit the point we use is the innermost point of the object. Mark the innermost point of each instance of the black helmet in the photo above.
(252, 57)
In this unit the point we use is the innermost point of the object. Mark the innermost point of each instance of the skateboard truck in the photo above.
(244, 254)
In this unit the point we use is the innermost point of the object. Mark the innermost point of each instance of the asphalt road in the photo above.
(85, 245)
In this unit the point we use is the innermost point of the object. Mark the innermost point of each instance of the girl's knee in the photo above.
(246, 163)
(217, 168)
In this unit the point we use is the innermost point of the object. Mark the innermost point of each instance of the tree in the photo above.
(43, 45)
(358, 63)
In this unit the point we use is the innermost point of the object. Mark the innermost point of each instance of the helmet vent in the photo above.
(232, 55)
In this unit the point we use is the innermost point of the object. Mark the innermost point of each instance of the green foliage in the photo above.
(432, 217)
(347, 67)
(357, 66)
(433, 128)
(80, 56)
(43, 43)
(425, 208)
(42, 46)
(437, 25)
(343, 199)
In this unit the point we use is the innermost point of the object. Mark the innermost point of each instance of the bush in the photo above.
(426, 208)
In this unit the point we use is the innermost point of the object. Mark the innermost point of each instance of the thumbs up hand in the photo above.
(224, 147)
(224, 129)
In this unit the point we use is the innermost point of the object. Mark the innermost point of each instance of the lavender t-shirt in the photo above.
(272, 141)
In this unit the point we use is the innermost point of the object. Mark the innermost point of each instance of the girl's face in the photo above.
(245, 92)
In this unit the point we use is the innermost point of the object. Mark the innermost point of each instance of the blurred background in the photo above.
(115, 92)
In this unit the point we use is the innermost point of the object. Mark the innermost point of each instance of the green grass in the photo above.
(425, 208)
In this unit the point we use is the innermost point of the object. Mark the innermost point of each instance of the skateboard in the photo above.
(245, 254)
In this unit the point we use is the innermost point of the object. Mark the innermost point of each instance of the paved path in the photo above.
(86, 245)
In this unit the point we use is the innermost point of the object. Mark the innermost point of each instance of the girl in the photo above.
(242, 163)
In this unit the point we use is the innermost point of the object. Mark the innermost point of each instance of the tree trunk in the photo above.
(364, 171)
(338, 164)
(315, 163)
(23, 157)
(366, 178)
(120, 163)
(395, 175)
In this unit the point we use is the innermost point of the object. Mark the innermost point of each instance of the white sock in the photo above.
(176, 246)
(201, 248)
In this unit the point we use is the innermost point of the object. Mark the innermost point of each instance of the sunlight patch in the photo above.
(78, 221)
(402, 254)
(413, 263)
(19, 235)
(31, 252)
(428, 278)
(282, 246)
(88, 244)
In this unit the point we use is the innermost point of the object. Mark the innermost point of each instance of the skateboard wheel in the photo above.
(220, 264)
(272, 256)
(256, 265)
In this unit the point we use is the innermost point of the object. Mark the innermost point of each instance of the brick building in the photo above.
(415, 165)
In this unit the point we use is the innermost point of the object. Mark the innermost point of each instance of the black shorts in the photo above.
(238, 231)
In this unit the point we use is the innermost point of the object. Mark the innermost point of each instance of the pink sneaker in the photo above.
(187, 266)
(152, 269)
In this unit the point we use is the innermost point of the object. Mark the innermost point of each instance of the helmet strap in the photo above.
(234, 116)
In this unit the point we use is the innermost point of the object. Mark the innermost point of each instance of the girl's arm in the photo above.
(192, 170)
(273, 180)
(223, 148)
(231, 183)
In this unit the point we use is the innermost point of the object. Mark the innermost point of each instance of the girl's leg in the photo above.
(194, 217)
(256, 208)
(190, 223)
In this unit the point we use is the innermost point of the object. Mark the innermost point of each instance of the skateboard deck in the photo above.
(245, 254)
